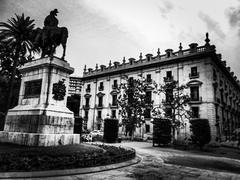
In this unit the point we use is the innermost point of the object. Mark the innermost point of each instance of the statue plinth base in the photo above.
(41, 120)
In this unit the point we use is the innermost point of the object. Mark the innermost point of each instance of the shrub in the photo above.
(110, 134)
(162, 131)
(78, 125)
(2, 121)
(182, 142)
(201, 134)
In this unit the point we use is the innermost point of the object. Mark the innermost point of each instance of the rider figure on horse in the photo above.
(51, 20)
(51, 25)
(51, 36)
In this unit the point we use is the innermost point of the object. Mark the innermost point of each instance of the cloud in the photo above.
(211, 24)
(166, 8)
(234, 18)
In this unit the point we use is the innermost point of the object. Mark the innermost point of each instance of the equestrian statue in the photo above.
(50, 36)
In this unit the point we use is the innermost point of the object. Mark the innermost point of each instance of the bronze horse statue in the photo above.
(48, 40)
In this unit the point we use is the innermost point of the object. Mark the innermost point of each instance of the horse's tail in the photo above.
(37, 36)
(64, 35)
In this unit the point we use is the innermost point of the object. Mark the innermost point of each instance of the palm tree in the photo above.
(16, 34)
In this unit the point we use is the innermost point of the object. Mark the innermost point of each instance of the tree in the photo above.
(134, 102)
(73, 103)
(4, 89)
(175, 104)
(201, 133)
(17, 40)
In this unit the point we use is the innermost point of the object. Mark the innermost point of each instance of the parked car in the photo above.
(86, 138)
(97, 135)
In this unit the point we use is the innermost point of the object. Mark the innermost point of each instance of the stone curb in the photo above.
(67, 172)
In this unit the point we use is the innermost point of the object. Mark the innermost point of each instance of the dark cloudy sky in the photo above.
(103, 30)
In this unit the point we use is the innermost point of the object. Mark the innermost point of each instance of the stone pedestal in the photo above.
(41, 119)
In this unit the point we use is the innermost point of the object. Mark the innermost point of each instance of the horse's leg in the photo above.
(53, 49)
(64, 50)
(44, 52)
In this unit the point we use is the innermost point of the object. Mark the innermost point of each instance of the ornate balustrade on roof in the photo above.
(116, 66)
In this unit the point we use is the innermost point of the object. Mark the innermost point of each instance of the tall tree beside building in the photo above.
(134, 102)
(175, 105)
(16, 37)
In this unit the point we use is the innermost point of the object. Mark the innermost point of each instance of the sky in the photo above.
(104, 30)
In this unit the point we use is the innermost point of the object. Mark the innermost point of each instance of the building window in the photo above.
(99, 120)
(169, 74)
(101, 87)
(168, 77)
(114, 100)
(88, 88)
(86, 114)
(100, 101)
(195, 112)
(148, 97)
(148, 58)
(131, 61)
(194, 72)
(33, 88)
(130, 81)
(221, 94)
(115, 85)
(214, 75)
(99, 115)
(168, 54)
(194, 93)
(149, 78)
(113, 113)
(147, 113)
(147, 127)
(87, 101)
(221, 83)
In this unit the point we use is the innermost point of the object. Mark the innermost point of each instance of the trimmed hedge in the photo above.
(162, 129)
(201, 133)
(110, 134)
(50, 158)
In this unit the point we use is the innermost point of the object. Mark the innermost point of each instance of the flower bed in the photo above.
(63, 157)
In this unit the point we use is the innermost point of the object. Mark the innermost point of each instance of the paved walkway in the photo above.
(152, 167)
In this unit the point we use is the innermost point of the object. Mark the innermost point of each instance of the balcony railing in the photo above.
(195, 116)
(99, 106)
(141, 62)
(196, 100)
(88, 90)
(86, 106)
(115, 86)
(113, 105)
(149, 80)
(99, 119)
(101, 88)
(192, 76)
(168, 79)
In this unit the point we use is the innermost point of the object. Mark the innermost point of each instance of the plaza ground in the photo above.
(153, 165)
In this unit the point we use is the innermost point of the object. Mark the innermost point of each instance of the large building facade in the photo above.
(213, 88)
(75, 84)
